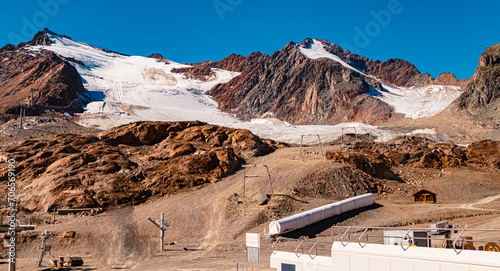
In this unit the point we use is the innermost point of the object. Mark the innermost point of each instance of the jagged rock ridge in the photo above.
(394, 71)
(289, 86)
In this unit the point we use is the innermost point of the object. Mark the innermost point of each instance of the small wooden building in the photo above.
(425, 196)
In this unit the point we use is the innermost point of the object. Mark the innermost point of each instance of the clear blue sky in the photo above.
(436, 36)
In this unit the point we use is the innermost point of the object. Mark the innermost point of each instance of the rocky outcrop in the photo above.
(481, 97)
(395, 71)
(338, 183)
(130, 163)
(159, 58)
(450, 79)
(372, 163)
(485, 152)
(376, 159)
(291, 87)
(200, 72)
(56, 82)
(236, 63)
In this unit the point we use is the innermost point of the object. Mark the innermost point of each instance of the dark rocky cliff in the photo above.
(481, 97)
(289, 86)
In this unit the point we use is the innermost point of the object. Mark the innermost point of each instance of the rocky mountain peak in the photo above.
(450, 79)
(159, 57)
(39, 38)
(481, 97)
(490, 57)
(395, 71)
(56, 82)
(292, 87)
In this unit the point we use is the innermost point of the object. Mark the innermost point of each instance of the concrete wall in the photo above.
(375, 257)
(302, 263)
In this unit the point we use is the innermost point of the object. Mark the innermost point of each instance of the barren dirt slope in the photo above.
(208, 224)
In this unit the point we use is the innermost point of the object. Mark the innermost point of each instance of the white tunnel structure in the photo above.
(307, 218)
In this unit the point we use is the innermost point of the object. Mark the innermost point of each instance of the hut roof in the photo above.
(424, 191)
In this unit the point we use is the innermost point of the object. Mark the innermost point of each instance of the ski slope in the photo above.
(413, 102)
(138, 88)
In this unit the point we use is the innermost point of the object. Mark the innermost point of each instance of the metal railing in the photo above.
(312, 248)
(238, 265)
(364, 235)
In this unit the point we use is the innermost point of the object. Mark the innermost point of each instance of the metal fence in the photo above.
(454, 238)
(312, 248)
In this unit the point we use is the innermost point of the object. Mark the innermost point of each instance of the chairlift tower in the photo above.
(44, 248)
(245, 176)
(319, 141)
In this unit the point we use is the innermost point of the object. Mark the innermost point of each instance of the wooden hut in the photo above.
(425, 196)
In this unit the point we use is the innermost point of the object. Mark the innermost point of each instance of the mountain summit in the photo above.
(311, 82)
(317, 82)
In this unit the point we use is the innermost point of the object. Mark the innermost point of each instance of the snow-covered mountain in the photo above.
(122, 89)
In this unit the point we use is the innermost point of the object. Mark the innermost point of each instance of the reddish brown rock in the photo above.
(127, 164)
(485, 152)
(449, 79)
(57, 83)
(376, 158)
(159, 58)
(200, 72)
(372, 163)
(294, 88)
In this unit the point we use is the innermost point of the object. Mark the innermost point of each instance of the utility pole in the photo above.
(162, 224)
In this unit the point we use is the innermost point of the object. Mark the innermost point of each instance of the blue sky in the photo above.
(436, 36)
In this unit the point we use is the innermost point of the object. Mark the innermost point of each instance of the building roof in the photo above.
(424, 191)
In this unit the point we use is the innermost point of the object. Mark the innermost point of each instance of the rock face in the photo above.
(56, 82)
(394, 71)
(450, 79)
(129, 163)
(486, 152)
(291, 87)
(481, 97)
